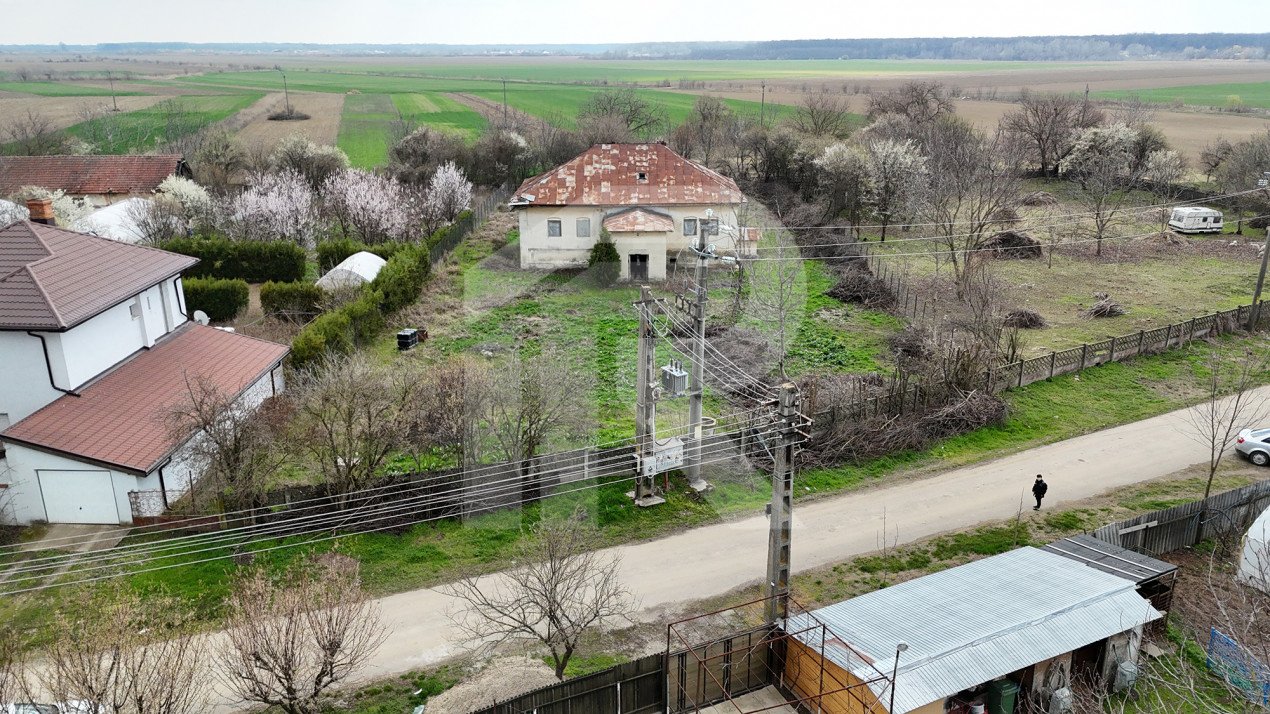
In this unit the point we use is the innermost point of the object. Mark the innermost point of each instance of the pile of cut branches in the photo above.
(1105, 307)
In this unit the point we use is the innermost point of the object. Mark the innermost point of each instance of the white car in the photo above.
(1254, 445)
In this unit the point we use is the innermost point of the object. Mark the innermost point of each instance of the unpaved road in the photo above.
(713, 560)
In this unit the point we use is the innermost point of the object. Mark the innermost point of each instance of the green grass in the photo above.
(440, 111)
(147, 129)
(1224, 96)
(62, 89)
(396, 695)
(364, 129)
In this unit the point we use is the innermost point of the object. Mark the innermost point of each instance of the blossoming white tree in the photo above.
(896, 171)
(374, 208)
(449, 193)
(277, 206)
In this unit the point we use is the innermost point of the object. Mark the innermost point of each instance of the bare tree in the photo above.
(919, 102)
(777, 290)
(354, 415)
(533, 400)
(14, 684)
(1104, 166)
(562, 591)
(1231, 401)
(121, 655)
(235, 447)
(1239, 173)
(219, 159)
(822, 114)
(1213, 155)
(33, 134)
(705, 129)
(623, 108)
(289, 641)
(1165, 171)
(973, 180)
(1050, 124)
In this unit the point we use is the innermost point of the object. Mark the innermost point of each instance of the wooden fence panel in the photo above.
(1184, 525)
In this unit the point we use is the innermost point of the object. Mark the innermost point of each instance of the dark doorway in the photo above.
(639, 267)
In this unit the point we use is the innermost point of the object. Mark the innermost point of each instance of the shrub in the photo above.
(401, 280)
(364, 317)
(252, 261)
(605, 263)
(329, 332)
(221, 299)
(295, 300)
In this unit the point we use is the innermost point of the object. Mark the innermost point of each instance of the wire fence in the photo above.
(480, 212)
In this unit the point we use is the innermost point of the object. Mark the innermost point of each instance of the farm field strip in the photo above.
(363, 131)
(140, 130)
(1251, 94)
(63, 89)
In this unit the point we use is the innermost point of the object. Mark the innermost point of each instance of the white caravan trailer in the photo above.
(1194, 219)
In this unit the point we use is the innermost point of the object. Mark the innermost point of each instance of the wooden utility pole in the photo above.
(780, 517)
(1255, 313)
(504, 101)
(762, 104)
(646, 404)
(110, 76)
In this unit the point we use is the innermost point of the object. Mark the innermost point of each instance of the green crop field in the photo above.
(669, 71)
(61, 89)
(440, 111)
(1253, 94)
(364, 128)
(145, 129)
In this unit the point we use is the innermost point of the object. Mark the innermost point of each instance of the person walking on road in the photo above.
(1038, 489)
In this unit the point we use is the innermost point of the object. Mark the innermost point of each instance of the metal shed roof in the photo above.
(974, 623)
(1110, 558)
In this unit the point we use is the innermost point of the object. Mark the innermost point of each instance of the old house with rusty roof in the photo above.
(103, 180)
(98, 348)
(653, 202)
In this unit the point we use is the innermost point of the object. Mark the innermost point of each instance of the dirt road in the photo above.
(713, 560)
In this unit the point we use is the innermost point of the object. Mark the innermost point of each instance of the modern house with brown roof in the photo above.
(98, 348)
(652, 201)
(101, 179)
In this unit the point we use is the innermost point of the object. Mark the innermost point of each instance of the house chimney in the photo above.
(41, 211)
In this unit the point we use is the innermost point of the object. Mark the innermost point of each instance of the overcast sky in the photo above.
(601, 21)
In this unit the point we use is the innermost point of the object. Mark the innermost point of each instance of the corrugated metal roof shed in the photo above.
(1110, 558)
(974, 623)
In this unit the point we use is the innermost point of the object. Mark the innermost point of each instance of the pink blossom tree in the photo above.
(277, 207)
(371, 207)
(449, 193)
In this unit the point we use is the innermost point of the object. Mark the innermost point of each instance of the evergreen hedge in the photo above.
(295, 301)
(222, 299)
(253, 261)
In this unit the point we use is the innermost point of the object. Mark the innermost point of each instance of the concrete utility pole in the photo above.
(646, 403)
(780, 523)
(1255, 313)
(697, 386)
(762, 104)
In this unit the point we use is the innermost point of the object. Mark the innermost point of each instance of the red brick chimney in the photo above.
(41, 211)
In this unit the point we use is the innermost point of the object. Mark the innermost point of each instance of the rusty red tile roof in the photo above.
(53, 279)
(638, 220)
(122, 419)
(610, 175)
(89, 175)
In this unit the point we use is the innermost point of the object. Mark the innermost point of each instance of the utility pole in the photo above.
(780, 512)
(110, 76)
(762, 104)
(697, 386)
(504, 101)
(1254, 315)
(646, 404)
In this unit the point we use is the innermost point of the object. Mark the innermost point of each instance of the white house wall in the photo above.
(99, 343)
(25, 501)
(24, 378)
(538, 251)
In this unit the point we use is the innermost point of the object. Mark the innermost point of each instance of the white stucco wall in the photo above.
(24, 496)
(24, 379)
(97, 344)
(540, 252)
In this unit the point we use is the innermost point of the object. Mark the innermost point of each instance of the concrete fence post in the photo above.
(1084, 352)
(1053, 360)
(1190, 335)
(1142, 335)
(1168, 335)
(1112, 356)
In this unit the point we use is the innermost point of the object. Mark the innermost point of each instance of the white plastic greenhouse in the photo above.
(115, 221)
(356, 269)
(1254, 564)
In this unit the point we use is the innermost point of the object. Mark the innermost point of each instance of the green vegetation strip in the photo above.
(1223, 96)
(62, 89)
(147, 129)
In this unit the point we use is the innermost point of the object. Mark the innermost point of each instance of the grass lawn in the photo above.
(1225, 96)
(61, 89)
(145, 129)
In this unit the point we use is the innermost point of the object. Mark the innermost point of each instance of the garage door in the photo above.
(78, 496)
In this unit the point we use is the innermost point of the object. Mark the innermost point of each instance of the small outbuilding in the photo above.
(1254, 563)
(116, 221)
(355, 270)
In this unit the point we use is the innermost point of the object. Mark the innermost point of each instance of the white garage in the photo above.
(86, 496)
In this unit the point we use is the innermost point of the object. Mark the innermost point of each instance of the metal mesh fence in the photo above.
(1232, 662)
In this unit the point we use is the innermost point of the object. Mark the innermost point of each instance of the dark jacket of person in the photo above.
(1039, 488)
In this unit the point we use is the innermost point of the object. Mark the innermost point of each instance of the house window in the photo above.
(584, 227)
(690, 226)
(135, 310)
(553, 228)
(641, 177)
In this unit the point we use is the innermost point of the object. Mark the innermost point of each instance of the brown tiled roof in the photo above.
(52, 279)
(82, 175)
(122, 419)
(639, 220)
(609, 175)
